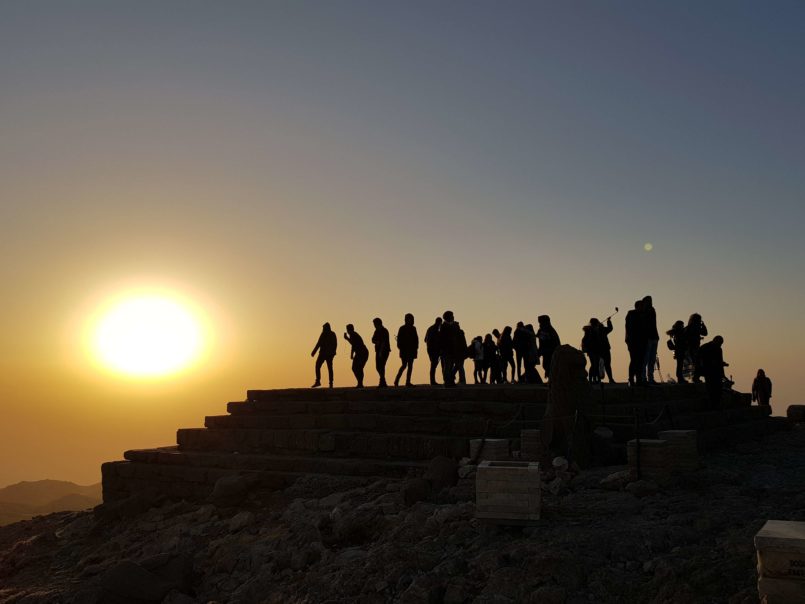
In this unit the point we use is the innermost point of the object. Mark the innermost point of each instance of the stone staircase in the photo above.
(278, 435)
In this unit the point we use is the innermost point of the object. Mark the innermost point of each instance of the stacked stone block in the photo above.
(683, 449)
(675, 452)
(780, 549)
(508, 492)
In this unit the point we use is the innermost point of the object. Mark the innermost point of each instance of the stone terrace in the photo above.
(278, 435)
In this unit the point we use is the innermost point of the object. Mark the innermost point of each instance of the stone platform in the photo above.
(276, 436)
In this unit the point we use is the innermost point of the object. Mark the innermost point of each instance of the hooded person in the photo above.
(326, 347)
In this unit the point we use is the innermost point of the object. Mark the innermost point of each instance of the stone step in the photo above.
(395, 407)
(278, 463)
(514, 393)
(509, 392)
(454, 426)
(323, 442)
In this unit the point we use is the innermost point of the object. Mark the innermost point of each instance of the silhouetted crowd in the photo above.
(515, 355)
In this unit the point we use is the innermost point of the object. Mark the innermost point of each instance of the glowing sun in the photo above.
(147, 336)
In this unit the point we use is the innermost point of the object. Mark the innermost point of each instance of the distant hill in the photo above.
(31, 498)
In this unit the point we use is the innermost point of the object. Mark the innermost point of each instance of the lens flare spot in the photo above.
(648, 247)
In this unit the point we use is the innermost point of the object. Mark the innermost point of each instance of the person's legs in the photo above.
(519, 366)
(650, 360)
(434, 364)
(680, 368)
(607, 357)
(319, 363)
(448, 371)
(361, 361)
(380, 364)
(329, 361)
(399, 373)
(408, 373)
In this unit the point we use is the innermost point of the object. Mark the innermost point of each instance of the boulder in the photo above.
(232, 489)
(414, 490)
(642, 488)
(441, 472)
(130, 583)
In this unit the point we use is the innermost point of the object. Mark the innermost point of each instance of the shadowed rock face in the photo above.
(569, 393)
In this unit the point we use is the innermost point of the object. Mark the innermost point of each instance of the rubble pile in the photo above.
(602, 537)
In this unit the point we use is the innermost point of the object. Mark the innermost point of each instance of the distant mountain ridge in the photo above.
(26, 499)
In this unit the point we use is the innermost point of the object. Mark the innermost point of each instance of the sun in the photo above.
(147, 336)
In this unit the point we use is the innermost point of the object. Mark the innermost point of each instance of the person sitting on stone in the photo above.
(359, 353)
(408, 345)
(711, 358)
(761, 388)
(548, 342)
(326, 347)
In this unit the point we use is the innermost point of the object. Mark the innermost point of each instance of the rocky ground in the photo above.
(325, 540)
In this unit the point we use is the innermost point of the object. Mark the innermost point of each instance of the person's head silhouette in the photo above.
(409, 319)
(350, 328)
(377, 322)
(326, 328)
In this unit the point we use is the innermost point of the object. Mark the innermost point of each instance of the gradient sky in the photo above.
(282, 164)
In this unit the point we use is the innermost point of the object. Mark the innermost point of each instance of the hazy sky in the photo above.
(282, 164)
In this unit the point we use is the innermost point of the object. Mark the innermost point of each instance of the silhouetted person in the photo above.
(380, 339)
(491, 361)
(448, 337)
(477, 349)
(677, 343)
(432, 343)
(531, 360)
(359, 353)
(652, 337)
(506, 349)
(548, 342)
(520, 345)
(695, 330)
(711, 357)
(761, 388)
(460, 353)
(591, 346)
(408, 345)
(325, 346)
(636, 343)
(604, 347)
